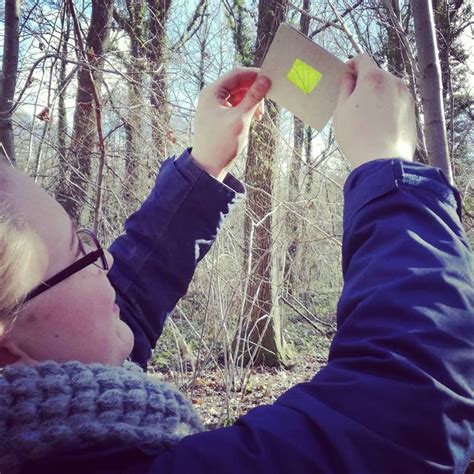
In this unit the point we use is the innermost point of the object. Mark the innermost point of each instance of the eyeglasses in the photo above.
(93, 254)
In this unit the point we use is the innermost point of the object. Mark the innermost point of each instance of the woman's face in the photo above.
(75, 320)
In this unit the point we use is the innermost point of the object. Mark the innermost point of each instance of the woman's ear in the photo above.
(10, 353)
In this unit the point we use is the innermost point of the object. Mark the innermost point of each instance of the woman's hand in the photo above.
(375, 115)
(224, 112)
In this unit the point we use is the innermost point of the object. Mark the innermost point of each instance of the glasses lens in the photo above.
(87, 241)
(90, 244)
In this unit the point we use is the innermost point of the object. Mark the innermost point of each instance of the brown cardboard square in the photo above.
(317, 72)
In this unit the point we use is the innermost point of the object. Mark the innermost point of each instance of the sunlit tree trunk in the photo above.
(431, 87)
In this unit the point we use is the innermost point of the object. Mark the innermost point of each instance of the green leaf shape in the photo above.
(304, 76)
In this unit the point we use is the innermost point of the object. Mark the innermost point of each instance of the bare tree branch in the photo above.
(333, 22)
(357, 48)
(316, 18)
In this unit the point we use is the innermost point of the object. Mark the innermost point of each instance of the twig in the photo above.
(332, 23)
(402, 36)
(296, 310)
(62, 58)
(317, 18)
(343, 27)
(320, 321)
(199, 14)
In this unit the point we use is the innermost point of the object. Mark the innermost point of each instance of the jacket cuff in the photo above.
(379, 177)
(188, 167)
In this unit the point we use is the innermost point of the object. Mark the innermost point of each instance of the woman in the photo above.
(396, 395)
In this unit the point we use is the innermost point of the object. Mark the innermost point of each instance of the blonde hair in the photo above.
(15, 254)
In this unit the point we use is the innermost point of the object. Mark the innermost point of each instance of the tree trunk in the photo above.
(430, 87)
(242, 39)
(157, 56)
(72, 192)
(135, 25)
(8, 79)
(265, 342)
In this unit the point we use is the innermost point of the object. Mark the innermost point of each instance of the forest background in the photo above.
(96, 94)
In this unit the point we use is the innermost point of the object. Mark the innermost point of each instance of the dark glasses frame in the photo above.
(77, 266)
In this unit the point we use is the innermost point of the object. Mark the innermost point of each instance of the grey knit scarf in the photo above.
(51, 408)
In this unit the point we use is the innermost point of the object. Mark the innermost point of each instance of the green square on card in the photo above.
(304, 76)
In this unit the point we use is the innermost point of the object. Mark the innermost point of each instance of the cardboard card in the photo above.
(305, 77)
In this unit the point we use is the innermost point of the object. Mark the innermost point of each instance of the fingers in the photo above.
(255, 94)
(361, 64)
(237, 97)
(234, 81)
(356, 67)
(242, 90)
(348, 83)
(238, 76)
(368, 77)
(259, 111)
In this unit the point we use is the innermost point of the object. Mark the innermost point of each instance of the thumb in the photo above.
(255, 94)
(362, 64)
(348, 83)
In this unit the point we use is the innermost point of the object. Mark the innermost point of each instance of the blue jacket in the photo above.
(397, 393)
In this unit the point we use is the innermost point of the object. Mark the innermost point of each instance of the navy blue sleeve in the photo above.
(397, 393)
(155, 259)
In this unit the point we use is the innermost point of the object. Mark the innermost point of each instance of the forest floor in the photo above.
(222, 394)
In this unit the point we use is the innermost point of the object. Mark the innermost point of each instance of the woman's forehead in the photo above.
(42, 213)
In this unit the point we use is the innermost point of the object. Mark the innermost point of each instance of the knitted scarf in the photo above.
(52, 408)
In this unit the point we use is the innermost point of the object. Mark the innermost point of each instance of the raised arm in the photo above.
(164, 240)
(396, 395)
(155, 259)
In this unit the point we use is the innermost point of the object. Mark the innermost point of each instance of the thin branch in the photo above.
(199, 14)
(69, 61)
(316, 18)
(121, 21)
(333, 22)
(357, 48)
(296, 310)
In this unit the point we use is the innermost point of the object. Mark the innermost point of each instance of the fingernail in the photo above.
(263, 82)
